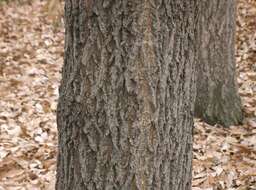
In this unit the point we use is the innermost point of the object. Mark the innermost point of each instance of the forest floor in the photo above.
(31, 56)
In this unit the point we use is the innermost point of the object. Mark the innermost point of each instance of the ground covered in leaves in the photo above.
(31, 52)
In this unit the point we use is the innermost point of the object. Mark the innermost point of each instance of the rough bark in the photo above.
(217, 98)
(126, 97)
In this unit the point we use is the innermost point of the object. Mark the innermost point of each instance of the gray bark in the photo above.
(217, 98)
(126, 97)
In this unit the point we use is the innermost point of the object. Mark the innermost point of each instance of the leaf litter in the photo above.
(31, 51)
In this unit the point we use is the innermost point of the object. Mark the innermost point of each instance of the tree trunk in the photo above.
(217, 98)
(126, 97)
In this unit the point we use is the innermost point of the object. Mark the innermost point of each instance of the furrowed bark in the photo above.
(125, 111)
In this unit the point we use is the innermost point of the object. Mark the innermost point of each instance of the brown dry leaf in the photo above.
(197, 182)
(46, 106)
(9, 168)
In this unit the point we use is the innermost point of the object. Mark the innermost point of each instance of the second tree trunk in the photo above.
(217, 97)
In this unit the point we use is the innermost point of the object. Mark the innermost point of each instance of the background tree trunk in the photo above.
(126, 97)
(217, 98)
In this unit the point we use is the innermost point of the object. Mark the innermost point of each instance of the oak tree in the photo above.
(125, 111)
(217, 98)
